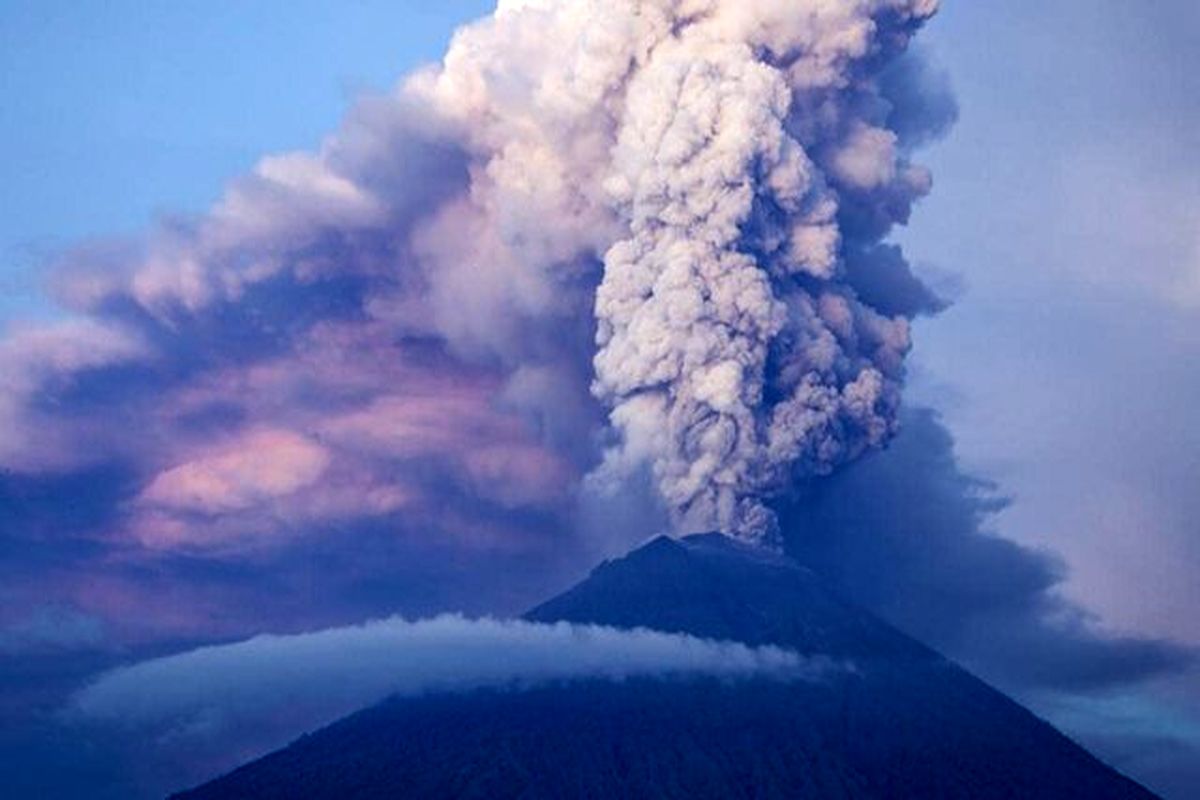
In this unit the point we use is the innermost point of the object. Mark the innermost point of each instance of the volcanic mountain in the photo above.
(893, 719)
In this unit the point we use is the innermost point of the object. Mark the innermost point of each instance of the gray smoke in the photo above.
(724, 158)
(732, 349)
(691, 195)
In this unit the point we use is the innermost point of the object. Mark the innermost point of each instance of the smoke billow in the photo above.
(723, 159)
(732, 348)
(602, 237)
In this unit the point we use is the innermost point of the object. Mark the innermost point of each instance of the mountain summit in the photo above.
(897, 720)
(716, 587)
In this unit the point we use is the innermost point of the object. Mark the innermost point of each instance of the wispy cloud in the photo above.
(214, 706)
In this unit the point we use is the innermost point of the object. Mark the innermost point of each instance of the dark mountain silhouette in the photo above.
(903, 722)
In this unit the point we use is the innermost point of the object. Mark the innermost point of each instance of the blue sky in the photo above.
(127, 110)
(1065, 218)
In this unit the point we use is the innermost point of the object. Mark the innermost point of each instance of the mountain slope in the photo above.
(902, 722)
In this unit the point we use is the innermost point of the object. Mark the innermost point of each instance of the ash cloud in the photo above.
(910, 535)
(598, 238)
(735, 354)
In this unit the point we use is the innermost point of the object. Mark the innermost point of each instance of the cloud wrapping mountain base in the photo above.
(234, 700)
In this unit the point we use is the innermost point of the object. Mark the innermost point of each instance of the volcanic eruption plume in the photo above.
(601, 237)
(731, 347)
(726, 159)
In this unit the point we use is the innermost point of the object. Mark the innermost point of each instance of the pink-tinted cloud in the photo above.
(260, 465)
(518, 474)
(37, 363)
(347, 424)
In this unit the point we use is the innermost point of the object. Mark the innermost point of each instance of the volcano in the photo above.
(894, 719)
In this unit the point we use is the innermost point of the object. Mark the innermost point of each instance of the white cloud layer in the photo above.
(296, 683)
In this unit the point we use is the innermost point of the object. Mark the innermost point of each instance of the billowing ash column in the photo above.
(753, 153)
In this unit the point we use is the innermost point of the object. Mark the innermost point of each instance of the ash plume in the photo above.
(602, 237)
(733, 350)
(724, 160)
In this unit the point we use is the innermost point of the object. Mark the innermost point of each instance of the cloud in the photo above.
(259, 465)
(732, 350)
(38, 364)
(909, 534)
(882, 277)
(450, 295)
(51, 629)
(217, 705)
(1154, 736)
(912, 536)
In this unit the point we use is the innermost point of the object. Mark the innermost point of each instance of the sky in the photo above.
(1068, 200)
(1063, 223)
(176, 99)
